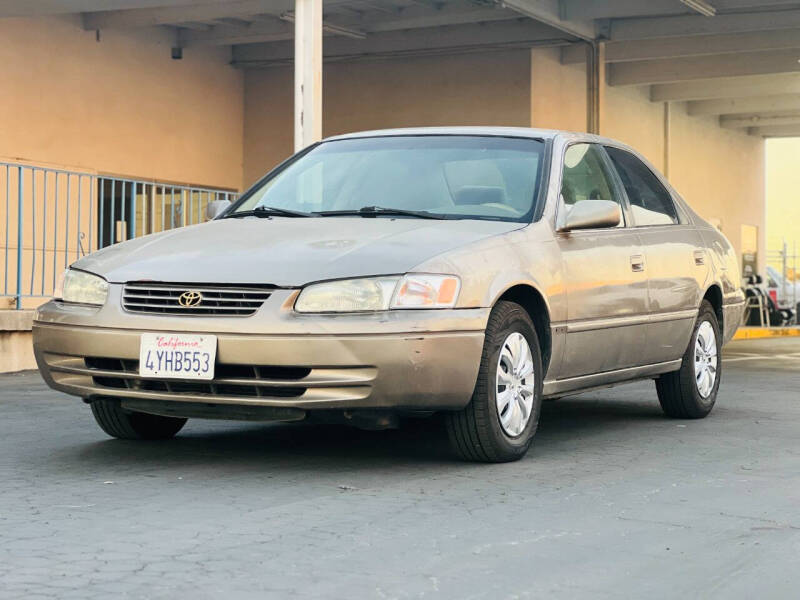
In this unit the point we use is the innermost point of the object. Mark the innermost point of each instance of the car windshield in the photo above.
(447, 176)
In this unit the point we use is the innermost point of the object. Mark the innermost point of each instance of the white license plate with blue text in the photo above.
(177, 356)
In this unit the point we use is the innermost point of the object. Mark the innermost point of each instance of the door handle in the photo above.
(637, 263)
(699, 257)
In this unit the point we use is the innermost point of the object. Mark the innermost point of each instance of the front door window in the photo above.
(587, 177)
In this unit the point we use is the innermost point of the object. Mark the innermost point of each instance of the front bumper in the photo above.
(409, 361)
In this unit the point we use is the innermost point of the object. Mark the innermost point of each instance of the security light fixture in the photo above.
(330, 27)
(701, 6)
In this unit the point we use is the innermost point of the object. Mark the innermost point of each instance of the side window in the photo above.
(586, 176)
(650, 202)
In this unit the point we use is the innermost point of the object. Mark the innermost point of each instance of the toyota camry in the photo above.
(380, 275)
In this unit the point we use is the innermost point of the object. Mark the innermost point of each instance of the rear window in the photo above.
(651, 203)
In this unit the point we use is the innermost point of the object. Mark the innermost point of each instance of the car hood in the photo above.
(286, 252)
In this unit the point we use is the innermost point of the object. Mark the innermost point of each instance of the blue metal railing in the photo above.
(54, 216)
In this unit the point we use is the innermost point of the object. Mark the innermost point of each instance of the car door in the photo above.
(606, 286)
(677, 268)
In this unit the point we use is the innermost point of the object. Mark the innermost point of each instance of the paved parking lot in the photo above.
(614, 501)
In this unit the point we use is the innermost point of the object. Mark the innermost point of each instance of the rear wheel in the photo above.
(691, 391)
(126, 425)
(499, 422)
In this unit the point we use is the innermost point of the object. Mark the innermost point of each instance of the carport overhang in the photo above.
(736, 60)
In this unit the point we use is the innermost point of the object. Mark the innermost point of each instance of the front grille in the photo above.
(229, 380)
(165, 298)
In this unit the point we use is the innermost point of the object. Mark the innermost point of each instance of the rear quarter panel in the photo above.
(727, 275)
(724, 263)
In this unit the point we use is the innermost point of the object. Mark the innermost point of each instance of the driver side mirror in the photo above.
(216, 208)
(591, 214)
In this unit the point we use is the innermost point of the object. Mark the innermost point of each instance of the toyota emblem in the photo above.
(190, 299)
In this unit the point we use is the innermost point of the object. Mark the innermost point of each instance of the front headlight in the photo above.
(415, 290)
(80, 287)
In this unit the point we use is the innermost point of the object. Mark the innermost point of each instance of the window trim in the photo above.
(679, 214)
(615, 183)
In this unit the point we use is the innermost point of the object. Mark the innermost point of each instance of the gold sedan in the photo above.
(474, 271)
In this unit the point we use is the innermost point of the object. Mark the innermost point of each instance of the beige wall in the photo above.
(471, 89)
(628, 115)
(268, 120)
(783, 193)
(558, 92)
(558, 101)
(120, 105)
(16, 351)
(16, 347)
(720, 172)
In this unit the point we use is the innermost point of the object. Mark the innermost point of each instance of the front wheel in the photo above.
(127, 425)
(499, 422)
(691, 391)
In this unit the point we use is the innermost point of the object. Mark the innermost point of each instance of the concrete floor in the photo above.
(614, 501)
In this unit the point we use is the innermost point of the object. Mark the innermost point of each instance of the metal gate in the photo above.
(51, 217)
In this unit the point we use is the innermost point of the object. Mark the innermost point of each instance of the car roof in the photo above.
(527, 132)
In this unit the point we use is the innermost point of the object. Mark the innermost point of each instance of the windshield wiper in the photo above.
(284, 212)
(372, 211)
(269, 211)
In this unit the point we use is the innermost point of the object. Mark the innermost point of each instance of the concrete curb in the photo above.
(16, 320)
(754, 333)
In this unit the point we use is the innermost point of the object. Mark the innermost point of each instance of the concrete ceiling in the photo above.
(738, 60)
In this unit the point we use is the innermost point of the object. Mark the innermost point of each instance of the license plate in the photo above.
(177, 356)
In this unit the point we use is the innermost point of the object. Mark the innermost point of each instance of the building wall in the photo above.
(120, 105)
(16, 345)
(470, 89)
(558, 92)
(16, 351)
(628, 115)
(783, 193)
(720, 172)
(268, 120)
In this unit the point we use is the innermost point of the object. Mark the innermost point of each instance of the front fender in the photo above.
(490, 267)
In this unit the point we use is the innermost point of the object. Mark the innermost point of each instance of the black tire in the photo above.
(127, 425)
(677, 391)
(475, 431)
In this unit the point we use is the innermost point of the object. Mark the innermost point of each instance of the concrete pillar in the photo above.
(667, 137)
(307, 73)
(595, 85)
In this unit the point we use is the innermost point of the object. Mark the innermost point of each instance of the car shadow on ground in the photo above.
(419, 442)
